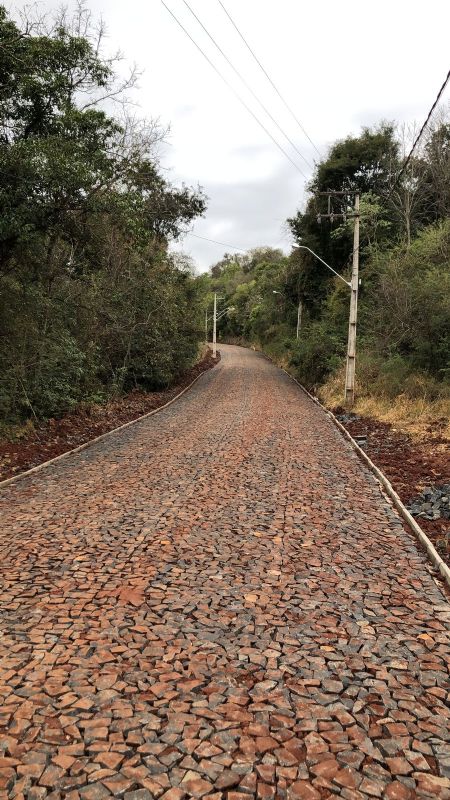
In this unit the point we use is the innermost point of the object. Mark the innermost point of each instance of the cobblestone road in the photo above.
(218, 602)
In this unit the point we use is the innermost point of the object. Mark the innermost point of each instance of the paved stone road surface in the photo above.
(218, 602)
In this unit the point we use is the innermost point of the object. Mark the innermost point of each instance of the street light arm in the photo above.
(274, 291)
(225, 311)
(303, 247)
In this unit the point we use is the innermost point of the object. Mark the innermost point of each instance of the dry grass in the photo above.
(416, 416)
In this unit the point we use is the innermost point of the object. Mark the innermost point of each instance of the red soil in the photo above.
(409, 464)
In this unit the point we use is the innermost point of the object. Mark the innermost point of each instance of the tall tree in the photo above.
(85, 221)
(363, 163)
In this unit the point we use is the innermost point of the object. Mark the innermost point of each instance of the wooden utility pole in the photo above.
(349, 395)
(351, 347)
(215, 326)
(206, 326)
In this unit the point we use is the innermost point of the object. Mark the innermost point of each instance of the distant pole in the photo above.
(351, 348)
(299, 317)
(215, 325)
(206, 326)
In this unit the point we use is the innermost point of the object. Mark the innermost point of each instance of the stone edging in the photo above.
(434, 556)
(85, 445)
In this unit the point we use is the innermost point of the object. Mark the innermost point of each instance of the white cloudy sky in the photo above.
(340, 65)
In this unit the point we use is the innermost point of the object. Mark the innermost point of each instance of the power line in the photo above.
(365, 238)
(223, 244)
(241, 78)
(270, 80)
(214, 241)
(430, 113)
(227, 83)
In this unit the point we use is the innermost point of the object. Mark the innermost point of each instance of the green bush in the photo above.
(316, 355)
(395, 376)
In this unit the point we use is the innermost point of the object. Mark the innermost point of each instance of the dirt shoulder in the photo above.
(56, 436)
(413, 465)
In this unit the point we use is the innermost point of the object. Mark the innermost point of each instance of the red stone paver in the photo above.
(218, 602)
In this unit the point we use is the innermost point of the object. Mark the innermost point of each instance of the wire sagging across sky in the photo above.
(248, 87)
(229, 85)
(214, 241)
(419, 135)
(285, 103)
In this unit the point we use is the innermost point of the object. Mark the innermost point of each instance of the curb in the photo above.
(85, 445)
(432, 553)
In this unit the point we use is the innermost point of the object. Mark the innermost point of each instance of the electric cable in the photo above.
(227, 83)
(286, 104)
(248, 87)
(214, 241)
(416, 141)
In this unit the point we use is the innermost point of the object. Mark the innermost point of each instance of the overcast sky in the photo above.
(339, 66)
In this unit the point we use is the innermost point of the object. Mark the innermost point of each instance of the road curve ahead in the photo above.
(218, 602)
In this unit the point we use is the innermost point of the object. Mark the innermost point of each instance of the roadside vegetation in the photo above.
(403, 370)
(91, 302)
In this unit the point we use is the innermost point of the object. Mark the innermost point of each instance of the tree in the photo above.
(365, 164)
(90, 300)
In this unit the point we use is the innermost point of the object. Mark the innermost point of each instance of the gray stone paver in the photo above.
(219, 602)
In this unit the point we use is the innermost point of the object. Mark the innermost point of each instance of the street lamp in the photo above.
(216, 298)
(299, 312)
(216, 317)
(225, 311)
(303, 247)
(353, 286)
